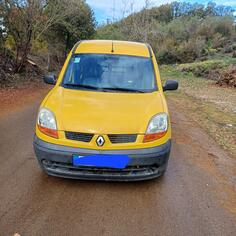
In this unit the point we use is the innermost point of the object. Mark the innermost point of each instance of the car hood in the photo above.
(103, 112)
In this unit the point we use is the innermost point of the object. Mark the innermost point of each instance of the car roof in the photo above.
(113, 47)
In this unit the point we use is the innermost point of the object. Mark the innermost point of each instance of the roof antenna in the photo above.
(112, 49)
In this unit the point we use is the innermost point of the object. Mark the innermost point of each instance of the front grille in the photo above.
(82, 137)
(99, 170)
(114, 138)
(122, 138)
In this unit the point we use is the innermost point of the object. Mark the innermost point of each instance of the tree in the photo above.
(77, 25)
(28, 20)
(178, 32)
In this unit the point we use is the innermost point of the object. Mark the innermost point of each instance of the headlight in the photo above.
(157, 127)
(47, 123)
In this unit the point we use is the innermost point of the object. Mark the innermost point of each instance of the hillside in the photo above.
(181, 33)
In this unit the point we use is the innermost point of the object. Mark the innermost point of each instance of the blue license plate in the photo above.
(118, 161)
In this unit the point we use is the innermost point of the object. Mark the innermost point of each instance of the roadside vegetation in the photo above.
(183, 33)
(211, 106)
(222, 70)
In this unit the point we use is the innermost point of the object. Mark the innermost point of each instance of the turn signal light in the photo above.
(50, 132)
(152, 137)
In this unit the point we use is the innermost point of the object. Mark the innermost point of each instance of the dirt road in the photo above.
(197, 196)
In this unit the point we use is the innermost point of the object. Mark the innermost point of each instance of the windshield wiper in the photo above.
(103, 88)
(83, 86)
(124, 89)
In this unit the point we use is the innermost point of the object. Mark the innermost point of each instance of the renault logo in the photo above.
(100, 141)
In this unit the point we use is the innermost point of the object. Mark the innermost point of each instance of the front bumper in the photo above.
(145, 163)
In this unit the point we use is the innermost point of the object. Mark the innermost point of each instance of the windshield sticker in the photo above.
(76, 60)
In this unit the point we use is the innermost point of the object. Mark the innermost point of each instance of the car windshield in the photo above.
(110, 73)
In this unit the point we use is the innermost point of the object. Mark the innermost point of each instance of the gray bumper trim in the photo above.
(156, 156)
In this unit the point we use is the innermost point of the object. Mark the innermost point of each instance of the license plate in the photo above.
(118, 161)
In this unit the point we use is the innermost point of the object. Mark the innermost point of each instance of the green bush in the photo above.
(207, 68)
(177, 36)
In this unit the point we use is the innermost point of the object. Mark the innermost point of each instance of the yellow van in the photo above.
(106, 118)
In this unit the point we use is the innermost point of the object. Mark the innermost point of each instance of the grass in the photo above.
(212, 68)
(212, 107)
(207, 65)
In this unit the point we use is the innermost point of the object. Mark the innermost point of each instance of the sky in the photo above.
(116, 9)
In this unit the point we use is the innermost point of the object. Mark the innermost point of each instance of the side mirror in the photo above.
(50, 79)
(170, 85)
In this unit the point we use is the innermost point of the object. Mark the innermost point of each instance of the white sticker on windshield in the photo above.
(76, 60)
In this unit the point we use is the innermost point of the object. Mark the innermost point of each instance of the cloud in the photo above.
(109, 9)
(105, 9)
(231, 3)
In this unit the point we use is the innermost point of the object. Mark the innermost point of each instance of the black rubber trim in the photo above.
(147, 175)
(76, 46)
(150, 50)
